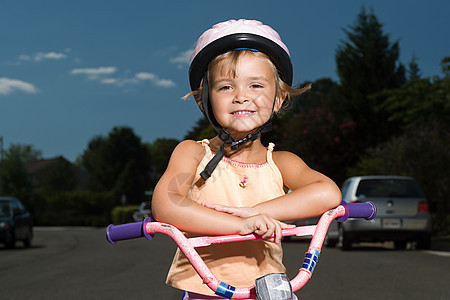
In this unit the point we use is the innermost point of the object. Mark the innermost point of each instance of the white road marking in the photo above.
(438, 253)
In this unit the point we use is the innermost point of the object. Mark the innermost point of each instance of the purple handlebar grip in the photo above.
(128, 231)
(366, 210)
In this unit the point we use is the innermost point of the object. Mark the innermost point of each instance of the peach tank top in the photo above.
(240, 263)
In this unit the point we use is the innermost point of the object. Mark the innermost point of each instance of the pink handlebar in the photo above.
(318, 232)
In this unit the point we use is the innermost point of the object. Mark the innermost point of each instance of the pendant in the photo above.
(244, 182)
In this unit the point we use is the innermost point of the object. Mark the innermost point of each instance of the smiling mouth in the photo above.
(243, 113)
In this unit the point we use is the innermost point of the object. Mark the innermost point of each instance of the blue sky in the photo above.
(71, 70)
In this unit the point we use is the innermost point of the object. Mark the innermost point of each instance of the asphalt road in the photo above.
(78, 263)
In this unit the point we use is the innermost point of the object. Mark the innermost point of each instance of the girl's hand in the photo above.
(265, 227)
(254, 222)
(242, 212)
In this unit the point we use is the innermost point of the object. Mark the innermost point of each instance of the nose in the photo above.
(240, 97)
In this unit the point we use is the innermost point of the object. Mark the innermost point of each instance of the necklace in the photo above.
(244, 182)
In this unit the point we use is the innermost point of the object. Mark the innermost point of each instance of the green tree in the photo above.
(201, 130)
(60, 176)
(367, 63)
(445, 66)
(15, 180)
(119, 163)
(24, 152)
(413, 69)
(419, 103)
(160, 152)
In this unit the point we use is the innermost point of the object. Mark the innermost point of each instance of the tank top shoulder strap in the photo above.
(271, 163)
(205, 144)
(269, 153)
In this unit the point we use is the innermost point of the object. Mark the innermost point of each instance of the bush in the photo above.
(71, 220)
(76, 208)
(123, 214)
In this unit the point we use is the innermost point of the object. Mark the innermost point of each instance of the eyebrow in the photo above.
(257, 78)
(251, 78)
(219, 81)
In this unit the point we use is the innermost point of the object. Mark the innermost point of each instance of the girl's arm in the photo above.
(312, 192)
(170, 203)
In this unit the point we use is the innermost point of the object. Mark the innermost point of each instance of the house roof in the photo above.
(33, 167)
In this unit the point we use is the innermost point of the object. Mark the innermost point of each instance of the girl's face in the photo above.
(243, 102)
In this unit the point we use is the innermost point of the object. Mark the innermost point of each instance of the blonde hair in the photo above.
(229, 60)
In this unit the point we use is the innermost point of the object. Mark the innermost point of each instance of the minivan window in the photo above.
(402, 188)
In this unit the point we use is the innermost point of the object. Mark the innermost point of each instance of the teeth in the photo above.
(245, 112)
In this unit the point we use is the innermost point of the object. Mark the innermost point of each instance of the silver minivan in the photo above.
(402, 213)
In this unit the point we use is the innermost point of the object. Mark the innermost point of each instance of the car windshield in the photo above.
(5, 209)
(403, 188)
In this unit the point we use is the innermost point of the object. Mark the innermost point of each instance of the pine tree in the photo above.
(413, 69)
(367, 63)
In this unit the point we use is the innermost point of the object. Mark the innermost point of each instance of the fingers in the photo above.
(209, 205)
(253, 222)
(286, 226)
(278, 233)
(273, 231)
(266, 227)
(218, 207)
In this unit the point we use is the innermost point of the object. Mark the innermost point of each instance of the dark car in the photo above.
(402, 213)
(15, 223)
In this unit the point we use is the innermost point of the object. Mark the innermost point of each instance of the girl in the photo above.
(240, 76)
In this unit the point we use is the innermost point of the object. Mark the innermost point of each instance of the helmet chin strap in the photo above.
(224, 135)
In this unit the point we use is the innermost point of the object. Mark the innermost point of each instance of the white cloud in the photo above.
(183, 57)
(102, 74)
(49, 55)
(42, 56)
(24, 57)
(145, 76)
(94, 73)
(119, 81)
(8, 85)
(110, 81)
(166, 83)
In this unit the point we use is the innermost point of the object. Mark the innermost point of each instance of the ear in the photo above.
(279, 101)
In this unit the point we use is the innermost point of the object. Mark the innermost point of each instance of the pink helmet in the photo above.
(240, 34)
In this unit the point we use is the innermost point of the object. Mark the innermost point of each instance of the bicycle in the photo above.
(269, 287)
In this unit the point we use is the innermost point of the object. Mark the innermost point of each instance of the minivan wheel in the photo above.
(344, 242)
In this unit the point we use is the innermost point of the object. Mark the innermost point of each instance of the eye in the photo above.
(256, 86)
(225, 88)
